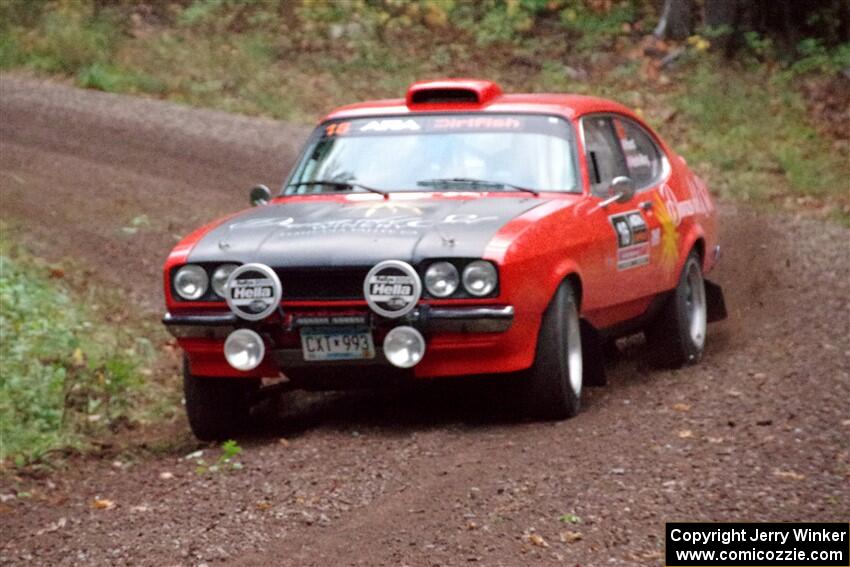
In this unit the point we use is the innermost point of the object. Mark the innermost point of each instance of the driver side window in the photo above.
(605, 159)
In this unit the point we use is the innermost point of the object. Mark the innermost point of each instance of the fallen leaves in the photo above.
(55, 526)
(102, 504)
(569, 536)
(536, 539)
(78, 358)
(790, 475)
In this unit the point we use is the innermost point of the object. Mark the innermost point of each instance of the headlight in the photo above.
(191, 282)
(219, 278)
(441, 279)
(479, 278)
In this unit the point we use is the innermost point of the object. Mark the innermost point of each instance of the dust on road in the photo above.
(439, 475)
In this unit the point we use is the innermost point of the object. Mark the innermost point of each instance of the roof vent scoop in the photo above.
(464, 92)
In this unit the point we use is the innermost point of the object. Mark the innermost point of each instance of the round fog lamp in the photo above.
(441, 279)
(244, 349)
(404, 347)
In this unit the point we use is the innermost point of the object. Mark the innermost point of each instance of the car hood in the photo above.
(328, 233)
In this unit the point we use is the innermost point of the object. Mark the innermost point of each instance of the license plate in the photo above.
(344, 343)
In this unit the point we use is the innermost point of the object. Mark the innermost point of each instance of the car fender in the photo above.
(692, 233)
(533, 266)
(180, 253)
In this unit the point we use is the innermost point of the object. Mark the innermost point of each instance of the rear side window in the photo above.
(643, 158)
(605, 159)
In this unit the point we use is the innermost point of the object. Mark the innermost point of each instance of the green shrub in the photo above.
(62, 374)
(814, 57)
(69, 39)
(109, 78)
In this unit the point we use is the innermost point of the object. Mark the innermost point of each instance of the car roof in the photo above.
(475, 95)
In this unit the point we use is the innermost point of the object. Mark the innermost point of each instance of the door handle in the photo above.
(646, 205)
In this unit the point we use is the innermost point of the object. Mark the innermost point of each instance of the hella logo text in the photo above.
(257, 292)
(383, 289)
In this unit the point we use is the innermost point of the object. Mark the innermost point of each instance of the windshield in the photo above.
(438, 152)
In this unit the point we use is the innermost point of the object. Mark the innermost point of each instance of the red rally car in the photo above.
(457, 231)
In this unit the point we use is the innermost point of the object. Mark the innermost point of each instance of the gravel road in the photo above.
(441, 474)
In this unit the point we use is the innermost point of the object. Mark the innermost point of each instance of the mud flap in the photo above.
(716, 305)
(593, 358)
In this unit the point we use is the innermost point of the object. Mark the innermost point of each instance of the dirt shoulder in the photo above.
(437, 475)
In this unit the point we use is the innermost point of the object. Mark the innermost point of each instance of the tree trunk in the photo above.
(724, 17)
(675, 20)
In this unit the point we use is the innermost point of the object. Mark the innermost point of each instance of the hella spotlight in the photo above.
(404, 347)
(244, 349)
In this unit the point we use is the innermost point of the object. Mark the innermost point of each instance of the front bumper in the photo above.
(461, 340)
(475, 319)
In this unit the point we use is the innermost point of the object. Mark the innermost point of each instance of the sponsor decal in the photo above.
(669, 234)
(337, 129)
(655, 237)
(478, 122)
(632, 239)
(390, 125)
(699, 196)
(454, 123)
(392, 288)
(685, 208)
(633, 256)
(670, 204)
(253, 291)
(392, 208)
(371, 222)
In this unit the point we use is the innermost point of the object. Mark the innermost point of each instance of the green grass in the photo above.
(753, 137)
(65, 376)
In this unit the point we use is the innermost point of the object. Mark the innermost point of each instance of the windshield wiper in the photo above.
(339, 185)
(469, 181)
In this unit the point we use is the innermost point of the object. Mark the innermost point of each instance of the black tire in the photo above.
(217, 408)
(677, 336)
(549, 392)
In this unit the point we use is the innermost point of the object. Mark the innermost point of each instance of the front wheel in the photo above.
(554, 382)
(677, 337)
(217, 408)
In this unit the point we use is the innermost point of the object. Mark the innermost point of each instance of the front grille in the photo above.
(322, 283)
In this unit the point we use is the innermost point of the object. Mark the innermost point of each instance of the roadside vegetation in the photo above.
(67, 378)
(767, 126)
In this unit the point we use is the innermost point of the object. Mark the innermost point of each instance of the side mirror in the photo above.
(622, 190)
(260, 195)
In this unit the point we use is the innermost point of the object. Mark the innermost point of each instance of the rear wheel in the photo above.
(217, 408)
(553, 389)
(677, 337)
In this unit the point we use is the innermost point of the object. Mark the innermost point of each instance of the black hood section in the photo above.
(331, 233)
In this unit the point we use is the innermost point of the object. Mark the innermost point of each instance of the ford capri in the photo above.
(458, 231)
